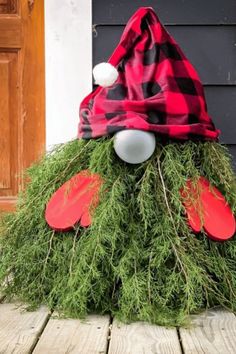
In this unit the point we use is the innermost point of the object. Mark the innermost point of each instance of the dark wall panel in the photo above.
(169, 11)
(211, 49)
(221, 102)
(232, 150)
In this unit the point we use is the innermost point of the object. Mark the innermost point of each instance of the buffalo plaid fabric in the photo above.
(157, 90)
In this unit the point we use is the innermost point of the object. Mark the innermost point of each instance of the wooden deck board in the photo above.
(63, 336)
(143, 338)
(212, 332)
(19, 329)
(23, 332)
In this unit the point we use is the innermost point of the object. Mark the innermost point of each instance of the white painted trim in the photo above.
(68, 47)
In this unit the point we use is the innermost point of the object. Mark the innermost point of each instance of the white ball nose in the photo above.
(134, 146)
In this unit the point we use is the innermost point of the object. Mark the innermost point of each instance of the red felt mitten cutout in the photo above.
(74, 201)
(207, 208)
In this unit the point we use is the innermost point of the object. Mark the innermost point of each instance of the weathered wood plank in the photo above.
(212, 332)
(19, 329)
(143, 338)
(63, 336)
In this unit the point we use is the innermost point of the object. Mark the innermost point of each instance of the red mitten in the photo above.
(206, 207)
(74, 201)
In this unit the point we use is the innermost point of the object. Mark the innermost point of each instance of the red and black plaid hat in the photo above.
(157, 89)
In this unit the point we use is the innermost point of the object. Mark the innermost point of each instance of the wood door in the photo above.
(22, 102)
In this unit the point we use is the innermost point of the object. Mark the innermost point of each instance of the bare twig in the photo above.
(49, 251)
(171, 217)
(73, 250)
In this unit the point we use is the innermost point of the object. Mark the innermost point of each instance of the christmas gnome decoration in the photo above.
(125, 219)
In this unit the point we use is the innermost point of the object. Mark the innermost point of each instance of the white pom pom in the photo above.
(105, 74)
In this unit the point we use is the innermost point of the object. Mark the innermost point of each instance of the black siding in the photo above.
(169, 11)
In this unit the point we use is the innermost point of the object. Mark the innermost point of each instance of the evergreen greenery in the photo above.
(139, 260)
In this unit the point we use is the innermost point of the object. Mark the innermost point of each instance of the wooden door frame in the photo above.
(28, 27)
